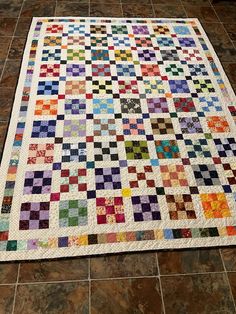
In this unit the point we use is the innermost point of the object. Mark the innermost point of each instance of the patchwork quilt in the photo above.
(122, 138)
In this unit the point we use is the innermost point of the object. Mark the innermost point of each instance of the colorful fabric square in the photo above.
(190, 125)
(51, 54)
(43, 129)
(180, 206)
(210, 103)
(157, 105)
(121, 41)
(98, 41)
(40, 154)
(76, 40)
(143, 42)
(55, 28)
(75, 54)
(174, 69)
(123, 55)
(73, 213)
(141, 177)
(52, 41)
(104, 127)
(110, 210)
(119, 29)
(75, 106)
(75, 70)
(230, 172)
(136, 150)
(102, 87)
(37, 182)
(146, 55)
(184, 104)
(107, 178)
(179, 86)
(197, 69)
(34, 216)
(46, 107)
(215, 205)
(167, 149)
(128, 87)
(165, 42)
(74, 128)
(76, 29)
(48, 88)
(169, 55)
(49, 70)
(226, 147)
(218, 124)
(99, 55)
(74, 152)
(150, 69)
(161, 30)
(105, 151)
(133, 126)
(146, 208)
(73, 180)
(75, 87)
(162, 126)
(186, 42)
(103, 106)
(101, 70)
(173, 175)
(130, 105)
(197, 148)
(125, 70)
(153, 86)
(206, 175)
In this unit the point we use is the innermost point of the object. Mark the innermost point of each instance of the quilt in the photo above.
(122, 138)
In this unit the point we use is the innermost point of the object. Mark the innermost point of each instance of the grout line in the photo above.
(121, 8)
(89, 278)
(184, 8)
(5, 62)
(17, 280)
(114, 278)
(153, 8)
(161, 291)
(227, 279)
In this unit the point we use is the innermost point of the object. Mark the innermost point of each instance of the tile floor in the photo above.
(174, 282)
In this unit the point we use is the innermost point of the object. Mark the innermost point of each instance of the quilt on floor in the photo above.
(122, 137)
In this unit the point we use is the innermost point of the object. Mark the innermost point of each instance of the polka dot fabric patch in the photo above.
(122, 138)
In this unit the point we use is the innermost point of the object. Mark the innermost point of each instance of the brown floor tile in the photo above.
(4, 47)
(137, 10)
(105, 1)
(38, 8)
(197, 2)
(3, 129)
(127, 296)
(172, 2)
(232, 281)
(8, 272)
(7, 26)
(10, 8)
(203, 13)
(17, 48)
(169, 11)
(1, 66)
(226, 14)
(220, 41)
(10, 73)
(189, 261)
(5, 109)
(230, 70)
(147, 2)
(229, 258)
(231, 30)
(52, 298)
(69, 269)
(104, 9)
(23, 26)
(124, 265)
(195, 294)
(7, 93)
(6, 299)
(64, 8)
